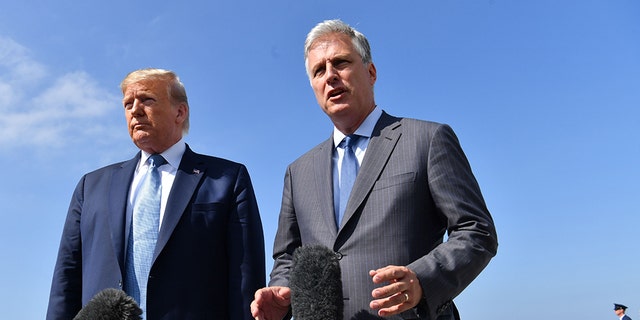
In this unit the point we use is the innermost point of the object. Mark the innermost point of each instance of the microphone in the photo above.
(315, 283)
(110, 304)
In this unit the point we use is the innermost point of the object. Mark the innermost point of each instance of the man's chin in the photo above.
(336, 109)
(142, 140)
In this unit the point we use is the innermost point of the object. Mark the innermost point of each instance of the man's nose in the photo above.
(331, 74)
(137, 107)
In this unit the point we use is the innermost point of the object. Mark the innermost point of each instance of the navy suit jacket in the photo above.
(414, 185)
(209, 257)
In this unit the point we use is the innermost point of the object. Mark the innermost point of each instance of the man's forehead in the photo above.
(143, 86)
(330, 40)
(320, 45)
(330, 50)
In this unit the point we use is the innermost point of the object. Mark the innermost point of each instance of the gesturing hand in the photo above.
(271, 303)
(402, 292)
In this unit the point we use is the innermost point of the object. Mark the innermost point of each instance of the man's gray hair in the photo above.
(360, 42)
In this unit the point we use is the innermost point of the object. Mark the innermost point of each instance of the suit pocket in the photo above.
(394, 180)
(209, 207)
(205, 217)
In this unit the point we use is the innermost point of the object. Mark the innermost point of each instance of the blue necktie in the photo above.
(144, 232)
(348, 172)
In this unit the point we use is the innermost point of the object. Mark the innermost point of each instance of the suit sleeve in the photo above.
(472, 241)
(65, 299)
(246, 249)
(287, 237)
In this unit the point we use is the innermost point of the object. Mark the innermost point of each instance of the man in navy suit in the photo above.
(208, 257)
(414, 185)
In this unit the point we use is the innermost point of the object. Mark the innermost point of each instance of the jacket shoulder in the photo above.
(213, 161)
(323, 147)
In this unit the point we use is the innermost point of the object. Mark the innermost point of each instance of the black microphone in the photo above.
(315, 283)
(110, 304)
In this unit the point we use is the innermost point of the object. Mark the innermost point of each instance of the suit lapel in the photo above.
(187, 178)
(324, 183)
(383, 140)
(119, 219)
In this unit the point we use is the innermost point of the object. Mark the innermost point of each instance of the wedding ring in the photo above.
(406, 297)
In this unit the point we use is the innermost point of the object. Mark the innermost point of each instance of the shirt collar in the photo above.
(365, 129)
(173, 155)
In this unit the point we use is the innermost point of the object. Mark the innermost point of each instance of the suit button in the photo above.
(120, 284)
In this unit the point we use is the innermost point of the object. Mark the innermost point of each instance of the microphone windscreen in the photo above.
(110, 304)
(315, 283)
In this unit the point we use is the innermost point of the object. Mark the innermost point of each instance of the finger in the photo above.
(389, 301)
(389, 290)
(400, 298)
(392, 305)
(390, 274)
(396, 309)
(285, 293)
(255, 310)
(258, 296)
(380, 270)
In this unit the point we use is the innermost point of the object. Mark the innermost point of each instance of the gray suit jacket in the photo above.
(414, 185)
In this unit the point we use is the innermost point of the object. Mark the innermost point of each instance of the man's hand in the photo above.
(402, 292)
(271, 303)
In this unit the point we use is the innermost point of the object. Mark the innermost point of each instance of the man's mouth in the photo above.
(139, 125)
(335, 93)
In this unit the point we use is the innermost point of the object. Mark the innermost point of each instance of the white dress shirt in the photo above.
(364, 131)
(173, 155)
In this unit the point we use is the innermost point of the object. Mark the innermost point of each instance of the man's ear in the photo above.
(183, 111)
(373, 76)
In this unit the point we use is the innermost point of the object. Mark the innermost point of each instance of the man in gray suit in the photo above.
(413, 184)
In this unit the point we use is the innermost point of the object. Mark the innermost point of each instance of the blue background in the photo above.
(542, 94)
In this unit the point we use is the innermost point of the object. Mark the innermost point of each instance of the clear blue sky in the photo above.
(544, 96)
